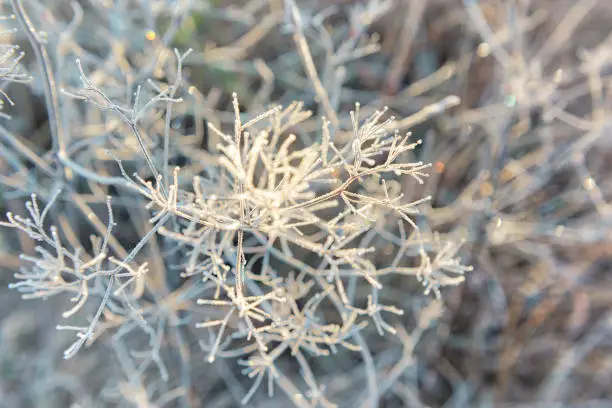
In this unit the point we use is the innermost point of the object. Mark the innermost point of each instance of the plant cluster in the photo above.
(214, 201)
(266, 237)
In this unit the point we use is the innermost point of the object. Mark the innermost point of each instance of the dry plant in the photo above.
(272, 240)
(214, 201)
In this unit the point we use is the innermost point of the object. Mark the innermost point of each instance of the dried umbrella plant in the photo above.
(277, 241)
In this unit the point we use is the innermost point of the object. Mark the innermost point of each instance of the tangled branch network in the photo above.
(275, 241)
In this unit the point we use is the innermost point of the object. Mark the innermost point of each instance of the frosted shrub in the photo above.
(268, 235)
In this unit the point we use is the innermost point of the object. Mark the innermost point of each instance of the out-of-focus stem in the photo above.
(310, 68)
(51, 95)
